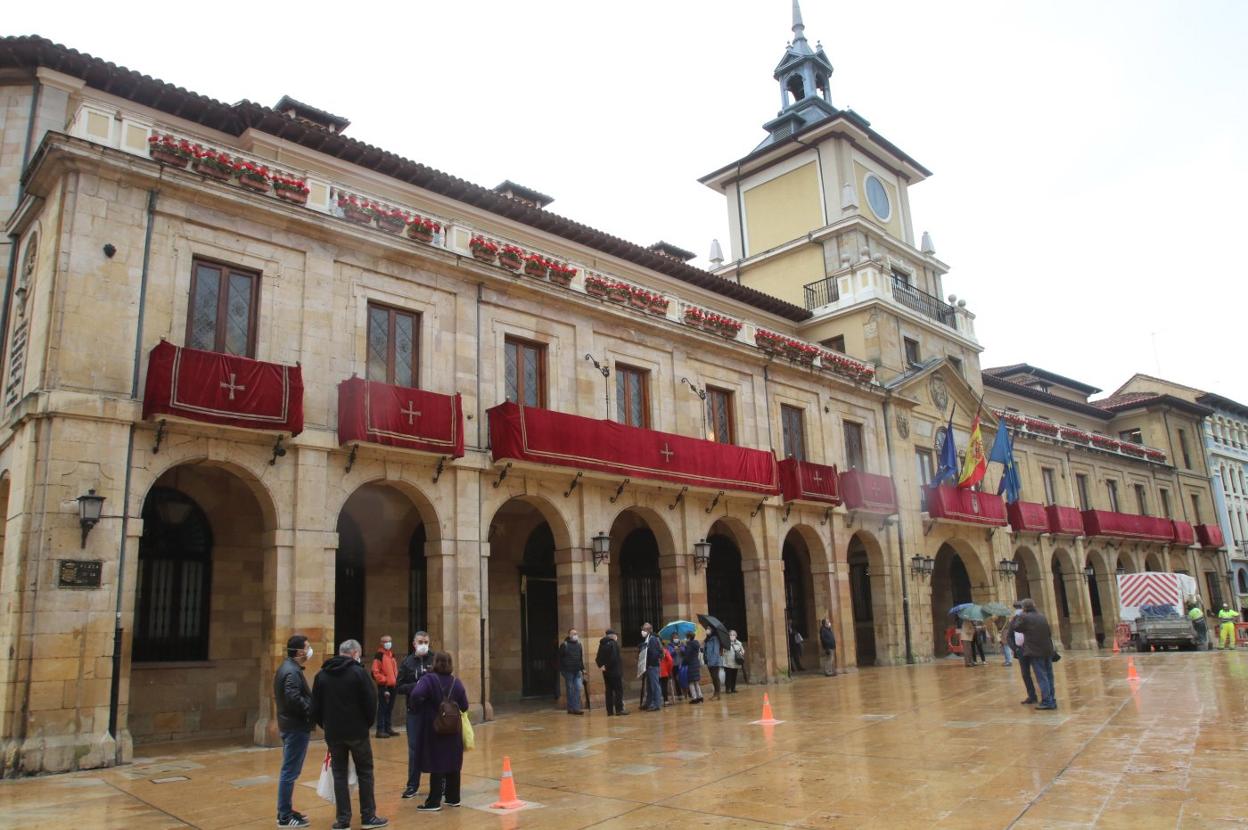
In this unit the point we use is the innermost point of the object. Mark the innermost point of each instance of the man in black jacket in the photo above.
(411, 670)
(572, 666)
(827, 642)
(653, 649)
(344, 704)
(294, 724)
(608, 660)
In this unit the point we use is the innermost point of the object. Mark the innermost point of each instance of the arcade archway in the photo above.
(956, 575)
(868, 597)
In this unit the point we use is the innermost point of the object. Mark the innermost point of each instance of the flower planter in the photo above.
(595, 289)
(212, 171)
(354, 214)
(390, 224)
(483, 254)
(510, 261)
(535, 270)
(658, 307)
(729, 332)
(637, 302)
(618, 295)
(256, 183)
(420, 234)
(167, 157)
(297, 197)
(561, 278)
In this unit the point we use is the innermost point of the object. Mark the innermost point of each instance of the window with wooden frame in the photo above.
(1187, 458)
(1111, 487)
(793, 430)
(854, 457)
(1164, 495)
(221, 316)
(632, 396)
(719, 425)
(393, 345)
(525, 372)
(913, 356)
(1050, 485)
(1196, 509)
(1141, 499)
(926, 472)
(1081, 484)
(836, 343)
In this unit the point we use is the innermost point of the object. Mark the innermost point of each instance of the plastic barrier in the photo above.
(952, 644)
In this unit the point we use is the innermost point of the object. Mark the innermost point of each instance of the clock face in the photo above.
(877, 198)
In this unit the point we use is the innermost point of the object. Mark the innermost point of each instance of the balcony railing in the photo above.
(821, 292)
(916, 300)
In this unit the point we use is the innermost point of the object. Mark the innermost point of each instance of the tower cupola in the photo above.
(803, 74)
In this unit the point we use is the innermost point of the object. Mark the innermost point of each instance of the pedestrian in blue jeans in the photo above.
(572, 667)
(294, 724)
(653, 649)
(1038, 650)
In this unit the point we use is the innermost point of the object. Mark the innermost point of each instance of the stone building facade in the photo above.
(825, 344)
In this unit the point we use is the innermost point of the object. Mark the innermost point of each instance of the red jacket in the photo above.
(385, 670)
(665, 664)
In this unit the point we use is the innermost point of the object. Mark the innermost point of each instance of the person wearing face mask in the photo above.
(385, 675)
(608, 659)
(294, 724)
(572, 667)
(344, 704)
(413, 667)
(734, 658)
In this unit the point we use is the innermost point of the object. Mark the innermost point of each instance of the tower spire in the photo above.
(799, 28)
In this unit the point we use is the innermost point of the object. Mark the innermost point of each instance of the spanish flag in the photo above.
(976, 463)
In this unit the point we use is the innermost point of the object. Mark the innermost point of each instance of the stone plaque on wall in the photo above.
(79, 573)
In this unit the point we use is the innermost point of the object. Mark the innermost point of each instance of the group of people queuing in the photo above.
(671, 668)
(976, 636)
(348, 701)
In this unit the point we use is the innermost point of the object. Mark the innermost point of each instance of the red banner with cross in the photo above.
(223, 389)
(399, 416)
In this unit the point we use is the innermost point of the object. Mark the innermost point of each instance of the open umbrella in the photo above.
(715, 625)
(997, 609)
(967, 611)
(678, 628)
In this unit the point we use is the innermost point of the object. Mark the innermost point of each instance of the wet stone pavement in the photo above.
(929, 746)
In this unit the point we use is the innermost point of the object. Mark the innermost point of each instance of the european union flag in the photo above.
(1003, 452)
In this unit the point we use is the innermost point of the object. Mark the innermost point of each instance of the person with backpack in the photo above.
(441, 699)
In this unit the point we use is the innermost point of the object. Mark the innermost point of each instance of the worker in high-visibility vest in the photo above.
(1197, 615)
(1226, 626)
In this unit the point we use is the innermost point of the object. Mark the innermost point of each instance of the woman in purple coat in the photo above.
(442, 756)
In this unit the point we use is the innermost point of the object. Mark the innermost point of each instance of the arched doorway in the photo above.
(380, 569)
(1061, 600)
(951, 585)
(525, 625)
(864, 600)
(198, 646)
(640, 593)
(1027, 580)
(1094, 595)
(725, 582)
(799, 595)
(1152, 564)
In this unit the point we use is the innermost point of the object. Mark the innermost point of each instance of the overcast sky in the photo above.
(1089, 162)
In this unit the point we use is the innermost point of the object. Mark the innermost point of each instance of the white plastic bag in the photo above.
(325, 784)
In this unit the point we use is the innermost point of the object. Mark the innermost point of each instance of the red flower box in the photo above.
(483, 249)
(536, 266)
(511, 258)
(169, 150)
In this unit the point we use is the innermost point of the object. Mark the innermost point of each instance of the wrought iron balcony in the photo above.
(821, 292)
(916, 300)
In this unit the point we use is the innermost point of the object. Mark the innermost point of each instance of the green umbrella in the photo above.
(996, 609)
(968, 611)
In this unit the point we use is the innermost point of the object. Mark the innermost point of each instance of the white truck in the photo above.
(1154, 591)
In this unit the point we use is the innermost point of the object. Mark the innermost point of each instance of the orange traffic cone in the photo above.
(1116, 649)
(1132, 675)
(768, 719)
(507, 790)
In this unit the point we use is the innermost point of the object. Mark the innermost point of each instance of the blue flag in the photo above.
(948, 467)
(1003, 453)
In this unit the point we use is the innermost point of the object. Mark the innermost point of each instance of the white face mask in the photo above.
(422, 649)
(732, 637)
(387, 646)
(574, 638)
(310, 652)
(645, 634)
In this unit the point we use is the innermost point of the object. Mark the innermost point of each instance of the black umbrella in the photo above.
(713, 623)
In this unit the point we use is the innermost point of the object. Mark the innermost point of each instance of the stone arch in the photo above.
(248, 471)
(1153, 563)
(641, 572)
(537, 587)
(420, 500)
(958, 576)
(823, 594)
(727, 593)
(1070, 599)
(1102, 590)
(225, 600)
(800, 609)
(1029, 581)
(868, 598)
(740, 532)
(389, 575)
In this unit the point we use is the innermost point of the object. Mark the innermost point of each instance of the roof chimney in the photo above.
(525, 195)
(308, 114)
(670, 251)
(717, 254)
